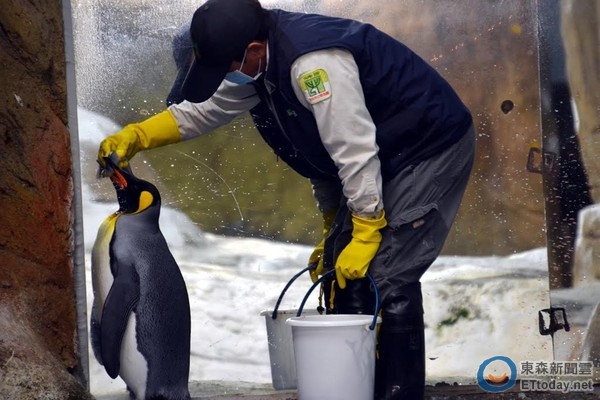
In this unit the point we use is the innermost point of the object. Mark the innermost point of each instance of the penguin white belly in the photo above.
(134, 368)
(102, 278)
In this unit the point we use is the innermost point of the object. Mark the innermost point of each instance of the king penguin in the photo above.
(140, 322)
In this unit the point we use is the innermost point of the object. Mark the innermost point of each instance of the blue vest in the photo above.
(416, 112)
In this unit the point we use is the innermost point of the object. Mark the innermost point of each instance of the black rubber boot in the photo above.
(400, 368)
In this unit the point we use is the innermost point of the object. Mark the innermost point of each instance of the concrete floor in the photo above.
(221, 390)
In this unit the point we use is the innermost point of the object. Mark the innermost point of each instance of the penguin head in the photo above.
(134, 195)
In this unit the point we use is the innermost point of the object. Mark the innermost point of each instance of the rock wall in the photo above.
(37, 308)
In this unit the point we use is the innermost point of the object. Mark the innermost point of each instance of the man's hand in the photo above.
(316, 258)
(156, 131)
(354, 260)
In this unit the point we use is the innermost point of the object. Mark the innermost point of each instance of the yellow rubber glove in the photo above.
(317, 255)
(156, 131)
(354, 260)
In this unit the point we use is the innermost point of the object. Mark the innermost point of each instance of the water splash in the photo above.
(237, 204)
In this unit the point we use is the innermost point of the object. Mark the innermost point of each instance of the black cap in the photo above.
(220, 32)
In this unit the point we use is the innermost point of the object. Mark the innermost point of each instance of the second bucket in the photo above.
(335, 354)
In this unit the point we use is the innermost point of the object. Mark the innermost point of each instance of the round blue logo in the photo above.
(493, 383)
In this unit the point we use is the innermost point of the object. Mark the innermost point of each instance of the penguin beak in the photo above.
(122, 179)
(112, 171)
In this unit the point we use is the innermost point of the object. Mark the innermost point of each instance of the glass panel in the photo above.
(240, 223)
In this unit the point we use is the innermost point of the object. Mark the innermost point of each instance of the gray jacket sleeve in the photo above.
(229, 101)
(345, 126)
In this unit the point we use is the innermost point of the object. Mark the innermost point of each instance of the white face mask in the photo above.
(241, 78)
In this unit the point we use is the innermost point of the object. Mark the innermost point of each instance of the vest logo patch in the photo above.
(315, 85)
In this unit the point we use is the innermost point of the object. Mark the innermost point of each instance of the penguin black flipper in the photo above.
(120, 302)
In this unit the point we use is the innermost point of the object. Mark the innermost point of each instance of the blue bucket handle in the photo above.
(287, 286)
(375, 290)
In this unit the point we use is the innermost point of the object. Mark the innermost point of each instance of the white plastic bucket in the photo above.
(279, 335)
(335, 356)
(281, 348)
